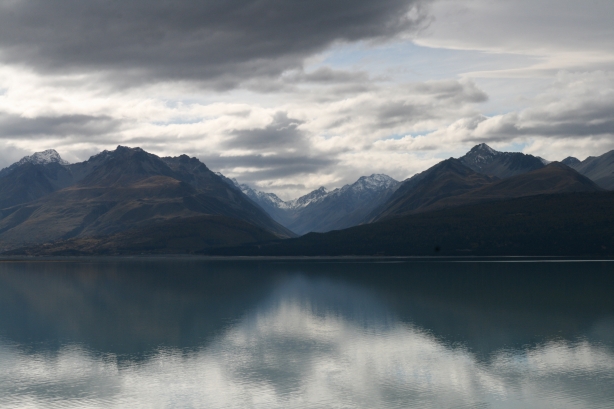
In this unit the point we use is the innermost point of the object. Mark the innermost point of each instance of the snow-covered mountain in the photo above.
(262, 197)
(32, 177)
(38, 158)
(484, 159)
(323, 210)
(308, 199)
(44, 157)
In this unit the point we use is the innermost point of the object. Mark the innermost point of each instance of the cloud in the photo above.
(573, 117)
(276, 151)
(266, 169)
(326, 75)
(281, 133)
(18, 127)
(566, 34)
(221, 43)
(312, 137)
(577, 105)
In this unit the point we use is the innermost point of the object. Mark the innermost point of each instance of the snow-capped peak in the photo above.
(480, 155)
(370, 184)
(483, 149)
(309, 198)
(374, 182)
(43, 158)
(261, 197)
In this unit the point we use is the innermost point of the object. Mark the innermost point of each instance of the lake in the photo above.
(396, 333)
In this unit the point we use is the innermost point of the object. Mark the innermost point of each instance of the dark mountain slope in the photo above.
(599, 169)
(570, 224)
(33, 177)
(483, 159)
(183, 236)
(448, 178)
(125, 189)
(122, 167)
(31, 181)
(554, 178)
(571, 161)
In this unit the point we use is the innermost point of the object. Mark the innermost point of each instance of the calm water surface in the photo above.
(185, 333)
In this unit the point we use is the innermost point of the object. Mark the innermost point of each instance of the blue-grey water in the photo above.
(188, 333)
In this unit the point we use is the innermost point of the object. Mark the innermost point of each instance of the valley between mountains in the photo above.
(129, 201)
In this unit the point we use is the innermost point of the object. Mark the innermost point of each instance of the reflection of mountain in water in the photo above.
(125, 306)
(229, 334)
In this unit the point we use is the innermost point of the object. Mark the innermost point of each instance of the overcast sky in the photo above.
(289, 95)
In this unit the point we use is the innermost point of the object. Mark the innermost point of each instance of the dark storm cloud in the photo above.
(18, 127)
(223, 42)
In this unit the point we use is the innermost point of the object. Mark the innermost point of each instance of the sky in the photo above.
(291, 95)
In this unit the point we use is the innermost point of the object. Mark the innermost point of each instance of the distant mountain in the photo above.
(448, 178)
(125, 189)
(38, 158)
(279, 210)
(599, 169)
(567, 224)
(33, 177)
(323, 210)
(483, 159)
(570, 161)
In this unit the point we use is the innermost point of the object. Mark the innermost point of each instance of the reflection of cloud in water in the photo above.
(300, 349)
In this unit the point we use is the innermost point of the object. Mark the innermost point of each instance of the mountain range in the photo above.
(113, 192)
(129, 201)
(322, 210)
(599, 169)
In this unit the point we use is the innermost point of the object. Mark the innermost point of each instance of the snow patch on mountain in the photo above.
(366, 184)
(38, 158)
(481, 154)
(43, 158)
(261, 198)
(310, 198)
(373, 183)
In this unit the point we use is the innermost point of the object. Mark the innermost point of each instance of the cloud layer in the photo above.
(291, 95)
(221, 43)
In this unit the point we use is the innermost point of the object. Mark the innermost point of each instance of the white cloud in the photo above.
(566, 34)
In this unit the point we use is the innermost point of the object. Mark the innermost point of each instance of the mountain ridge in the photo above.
(600, 169)
(484, 159)
(116, 195)
(123, 189)
(323, 209)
